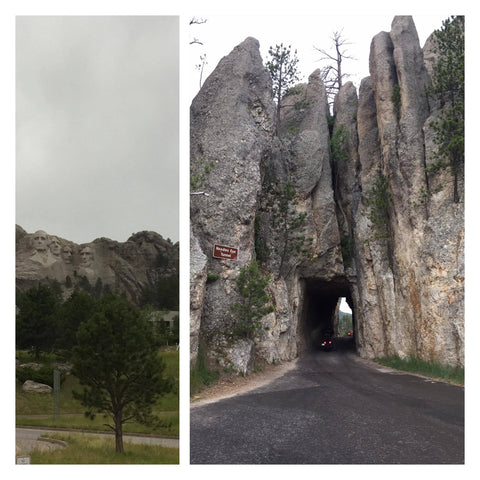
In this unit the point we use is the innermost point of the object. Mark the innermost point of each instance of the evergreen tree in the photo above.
(251, 284)
(448, 85)
(289, 226)
(72, 313)
(117, 362)
(36, 323)
(284, 72)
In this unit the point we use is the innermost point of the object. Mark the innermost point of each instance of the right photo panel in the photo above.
(327, 239)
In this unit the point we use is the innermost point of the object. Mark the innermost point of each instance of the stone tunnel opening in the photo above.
(320, 314)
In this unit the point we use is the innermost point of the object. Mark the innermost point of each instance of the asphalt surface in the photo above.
(333, 408)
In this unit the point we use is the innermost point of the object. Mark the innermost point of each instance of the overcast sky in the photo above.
(97, 102)
(302, 32)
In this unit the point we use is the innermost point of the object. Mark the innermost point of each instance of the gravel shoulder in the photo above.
(231, 385)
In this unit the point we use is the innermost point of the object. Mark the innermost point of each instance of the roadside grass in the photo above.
(86, 449)
(80, 422)
(455, 375)
(71, 411)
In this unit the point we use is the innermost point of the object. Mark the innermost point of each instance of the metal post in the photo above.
(56, 393)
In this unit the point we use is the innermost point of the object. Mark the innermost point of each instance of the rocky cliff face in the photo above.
(124, 268)
(404, 283)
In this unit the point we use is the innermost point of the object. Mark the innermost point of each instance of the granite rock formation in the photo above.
(121, 267)
(405, 286)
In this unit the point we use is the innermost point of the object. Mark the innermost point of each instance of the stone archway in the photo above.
(319, 309)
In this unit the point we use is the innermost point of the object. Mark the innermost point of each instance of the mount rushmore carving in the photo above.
(123, 267)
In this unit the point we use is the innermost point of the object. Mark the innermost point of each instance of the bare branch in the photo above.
(197, 21)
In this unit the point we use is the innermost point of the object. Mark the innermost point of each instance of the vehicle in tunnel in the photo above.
(328, 343)
(323, 322)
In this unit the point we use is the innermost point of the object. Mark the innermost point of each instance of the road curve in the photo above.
(333, 408)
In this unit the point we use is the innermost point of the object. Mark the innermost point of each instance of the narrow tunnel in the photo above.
(321, 301)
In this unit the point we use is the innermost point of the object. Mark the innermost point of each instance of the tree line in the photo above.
(45, 322)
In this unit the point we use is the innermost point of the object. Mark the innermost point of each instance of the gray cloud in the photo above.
(97, 126)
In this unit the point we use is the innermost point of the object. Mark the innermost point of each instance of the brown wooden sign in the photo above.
(228, 253)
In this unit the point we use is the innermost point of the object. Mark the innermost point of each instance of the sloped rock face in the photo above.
(231, 127)
(124, 268)
(403, 279)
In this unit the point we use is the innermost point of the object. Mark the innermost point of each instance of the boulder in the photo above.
(33, 387)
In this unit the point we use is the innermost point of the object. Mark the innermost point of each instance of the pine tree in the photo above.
(251, 284)
(448, 85)
(117, 362)
(284, 72)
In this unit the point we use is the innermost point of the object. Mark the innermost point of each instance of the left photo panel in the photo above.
(97, 240)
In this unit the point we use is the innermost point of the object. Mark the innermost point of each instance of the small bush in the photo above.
(200, 375)
(396, 100)
(212, 277)
(43, 375)
(379, 199)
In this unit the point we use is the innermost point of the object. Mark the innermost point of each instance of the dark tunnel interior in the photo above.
(319, 311)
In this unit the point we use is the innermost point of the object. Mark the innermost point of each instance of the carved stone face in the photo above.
(55, 247)
(40, 241)
(86, 256)
(67, 254)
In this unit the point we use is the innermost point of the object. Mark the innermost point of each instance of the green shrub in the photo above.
(212, 277)
(347, 250)
(379, 200)
(200, 375)
(338, 145)
(43, 375)
(396, 100)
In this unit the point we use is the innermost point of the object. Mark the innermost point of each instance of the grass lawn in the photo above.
(72, 411)
(83, 449)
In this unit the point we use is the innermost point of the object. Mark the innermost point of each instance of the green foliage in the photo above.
(74, 311)
(344, 323)
(379, 200)
(261, 249)
(292, 130)
(200, 374)
(198, 179)
(448, 86)
(212, 277)
(36, 322)
(396, 100)
(42, 375)
(283, 69)
(72, 411)
(289, 227)
(251, 284)
(83, 449)
(164, 295)
(338, 144)
(430, 369)
(117, 362)
(346, 244)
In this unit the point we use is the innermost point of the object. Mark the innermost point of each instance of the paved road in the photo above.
(27, 439)
(334, 408)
